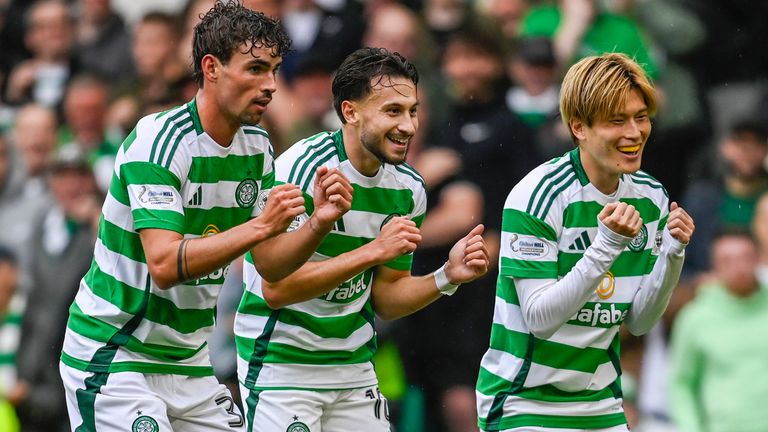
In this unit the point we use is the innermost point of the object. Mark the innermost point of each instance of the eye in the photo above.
(617, 121)
(642, 118)
(413, 112)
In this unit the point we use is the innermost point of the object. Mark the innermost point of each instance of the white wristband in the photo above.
(443, 284)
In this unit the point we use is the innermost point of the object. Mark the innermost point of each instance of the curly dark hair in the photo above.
(227, 27)
(353, 80)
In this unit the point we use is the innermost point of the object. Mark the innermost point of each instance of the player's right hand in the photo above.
(398, 237)
(284, 203)
(621, 218)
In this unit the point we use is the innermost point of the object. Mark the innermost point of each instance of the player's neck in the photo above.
(606, 182)
(362, 160)
(220, 128)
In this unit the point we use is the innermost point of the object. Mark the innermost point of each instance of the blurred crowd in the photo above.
(75, 77)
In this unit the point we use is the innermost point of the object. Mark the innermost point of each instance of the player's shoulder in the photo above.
(646, 185)
(156, 134)
(299, 162)
(543, 184)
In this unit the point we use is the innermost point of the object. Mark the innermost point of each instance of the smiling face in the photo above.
(614, 145)
(245, 84)
(386, 118)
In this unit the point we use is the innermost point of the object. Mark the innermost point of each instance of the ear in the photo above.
(578, 129)
(349, 111)
(210, 67)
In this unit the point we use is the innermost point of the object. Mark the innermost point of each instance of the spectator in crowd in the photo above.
(34, 140)
(85, 108)
(719, 354)
(313, 102)
(495, 147)
(155, 52)
(103, 44)
(314, 29)
(61, 251)
(508, 14)
(11, 307)
(729, 199)
(532, 67)
(49, 36)
(580, 28)
(454, 206)
(11, 180)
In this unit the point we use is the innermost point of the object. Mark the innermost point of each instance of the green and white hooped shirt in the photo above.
(326, 342)
(169, 174)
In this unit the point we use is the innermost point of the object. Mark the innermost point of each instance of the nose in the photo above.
(409, 124)
(269, 85)
(632, 129)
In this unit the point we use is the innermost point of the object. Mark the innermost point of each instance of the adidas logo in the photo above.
(581, 243)
(197, 198)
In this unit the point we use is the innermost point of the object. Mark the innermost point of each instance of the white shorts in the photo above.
(363, 409)
(136, 402)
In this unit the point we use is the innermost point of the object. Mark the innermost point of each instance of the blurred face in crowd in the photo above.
(744, 154)
(50, 31)
(85, 108)
(534, 78)
(471, 70)
(154, 43)
(614, 145)
(244, 85)
(734, 260)
(393, 27)
(508, 13)
(71, 187)
(35, 137)
(387, 118)
(314, 91)
(760, 225)
(95, 10)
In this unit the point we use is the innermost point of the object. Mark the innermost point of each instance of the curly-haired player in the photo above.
(188, 195)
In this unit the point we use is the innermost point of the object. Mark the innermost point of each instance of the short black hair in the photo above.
(227, 26)
(749, 126)
(354, 76)
(8, 256)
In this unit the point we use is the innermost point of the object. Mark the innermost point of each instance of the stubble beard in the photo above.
(369, 143)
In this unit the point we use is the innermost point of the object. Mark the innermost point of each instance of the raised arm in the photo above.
(396, 293)
(656, 288)
(173, 259)
(548, 303)
(280, 256)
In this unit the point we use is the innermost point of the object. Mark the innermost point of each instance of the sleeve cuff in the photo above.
(612, 238)
(672, 244)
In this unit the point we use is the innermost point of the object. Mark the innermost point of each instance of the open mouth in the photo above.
(630, 150)
(403, 141)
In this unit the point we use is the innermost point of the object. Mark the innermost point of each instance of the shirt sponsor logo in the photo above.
(598, 315)
(156, 196)
(348, 291)
(606, 287)
(528, 247)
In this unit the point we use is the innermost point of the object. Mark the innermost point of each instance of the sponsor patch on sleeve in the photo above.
(156, 197)
(526, 247)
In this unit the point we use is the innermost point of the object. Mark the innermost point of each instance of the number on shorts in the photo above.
(229, 406)
(380, 405)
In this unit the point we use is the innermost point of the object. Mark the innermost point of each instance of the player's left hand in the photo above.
(680, 224)
(332, 196)
(468, 259)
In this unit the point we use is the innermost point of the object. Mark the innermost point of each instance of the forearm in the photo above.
(175, 259)
(276, 258)
(656, 288)
(547, 304)
(316, 278)
(404, 296)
